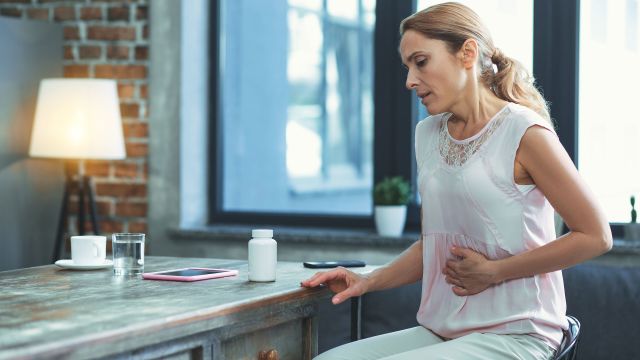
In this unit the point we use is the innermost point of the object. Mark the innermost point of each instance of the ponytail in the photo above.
(512, 82)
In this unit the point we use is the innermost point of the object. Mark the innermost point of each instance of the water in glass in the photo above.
(128, 254)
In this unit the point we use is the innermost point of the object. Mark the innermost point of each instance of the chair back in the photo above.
(569, 344)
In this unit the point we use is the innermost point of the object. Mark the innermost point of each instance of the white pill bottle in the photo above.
(263, 256)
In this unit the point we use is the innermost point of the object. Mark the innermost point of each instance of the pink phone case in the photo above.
(160, 276)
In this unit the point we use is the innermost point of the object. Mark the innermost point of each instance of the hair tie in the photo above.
(499, 60)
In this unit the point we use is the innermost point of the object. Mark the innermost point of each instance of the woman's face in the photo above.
(437, 76)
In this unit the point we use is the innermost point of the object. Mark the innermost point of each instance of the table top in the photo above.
(47, 308)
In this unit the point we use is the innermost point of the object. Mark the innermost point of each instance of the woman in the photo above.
(491, 171)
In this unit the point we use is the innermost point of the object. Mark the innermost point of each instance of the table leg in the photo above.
(310, 339)
(356, 318)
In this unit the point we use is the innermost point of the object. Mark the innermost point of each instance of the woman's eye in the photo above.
(421, 62)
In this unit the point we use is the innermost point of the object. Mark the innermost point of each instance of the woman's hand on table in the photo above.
(471, 273)
(343, 282)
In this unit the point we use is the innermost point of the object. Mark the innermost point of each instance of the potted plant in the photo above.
(632, 229)
(390, 197)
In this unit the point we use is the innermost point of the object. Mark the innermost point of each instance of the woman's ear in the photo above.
(469, 53)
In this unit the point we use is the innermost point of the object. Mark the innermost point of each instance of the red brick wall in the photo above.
(107, 39)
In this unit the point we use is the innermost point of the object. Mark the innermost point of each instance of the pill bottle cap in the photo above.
(262, 233)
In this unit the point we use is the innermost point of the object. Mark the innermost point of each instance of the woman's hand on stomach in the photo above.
(470, 273)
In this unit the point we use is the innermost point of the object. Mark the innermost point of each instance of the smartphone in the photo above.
(189, 274)
(332, 264)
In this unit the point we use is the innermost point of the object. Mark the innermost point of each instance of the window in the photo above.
(296, 114)
(292, 139)
(609, 127)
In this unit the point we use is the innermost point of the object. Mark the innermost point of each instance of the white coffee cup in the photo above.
(88, 249)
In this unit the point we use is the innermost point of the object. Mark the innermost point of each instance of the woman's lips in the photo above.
(424, 97)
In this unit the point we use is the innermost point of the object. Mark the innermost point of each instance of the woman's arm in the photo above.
(550, 167)
(554, 174)
(405, 269)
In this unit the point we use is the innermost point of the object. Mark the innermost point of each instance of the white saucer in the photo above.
(68, 264)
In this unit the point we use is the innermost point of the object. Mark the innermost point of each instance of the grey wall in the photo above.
(164, 124)
(30, 189)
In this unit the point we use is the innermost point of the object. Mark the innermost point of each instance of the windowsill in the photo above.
(621, 246)
(302, 235)
(296, 235)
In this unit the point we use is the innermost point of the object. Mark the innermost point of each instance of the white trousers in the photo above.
(419, 343)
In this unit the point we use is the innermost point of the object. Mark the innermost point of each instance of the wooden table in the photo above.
(48, 312)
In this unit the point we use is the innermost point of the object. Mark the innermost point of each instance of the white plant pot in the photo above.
(390, 219)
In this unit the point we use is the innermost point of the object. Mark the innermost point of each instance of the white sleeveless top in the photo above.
(470, 200)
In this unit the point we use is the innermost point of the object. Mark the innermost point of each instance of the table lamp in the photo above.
(77, 119)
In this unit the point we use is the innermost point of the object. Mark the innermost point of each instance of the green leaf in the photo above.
(392, 191)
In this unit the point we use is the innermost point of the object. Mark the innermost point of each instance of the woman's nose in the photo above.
(411, 82)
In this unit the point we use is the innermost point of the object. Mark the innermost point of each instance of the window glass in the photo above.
(296, 94)
(609, 127)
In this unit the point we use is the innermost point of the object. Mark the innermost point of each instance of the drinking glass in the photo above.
(128, 253)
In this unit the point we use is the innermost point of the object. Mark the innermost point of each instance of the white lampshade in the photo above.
(77, 119)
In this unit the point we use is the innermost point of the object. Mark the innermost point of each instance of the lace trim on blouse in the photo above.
(457, 152)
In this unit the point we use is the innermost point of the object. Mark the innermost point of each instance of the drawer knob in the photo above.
(268, 355)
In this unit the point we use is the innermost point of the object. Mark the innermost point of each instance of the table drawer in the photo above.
(287, 339)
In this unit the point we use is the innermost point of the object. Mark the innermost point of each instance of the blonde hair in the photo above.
(454, 23)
